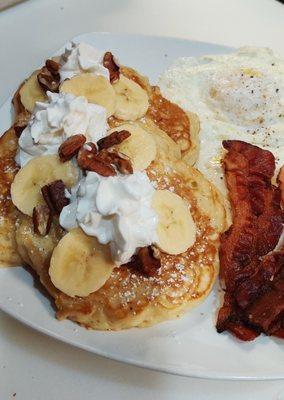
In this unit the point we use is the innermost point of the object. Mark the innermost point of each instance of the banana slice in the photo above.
(176, 228)
(26, 188)
(96, 89)
(131, 100)
(80, 265)
(31, 92)
(140, 147)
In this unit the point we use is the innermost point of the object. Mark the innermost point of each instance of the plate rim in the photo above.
(126, 360)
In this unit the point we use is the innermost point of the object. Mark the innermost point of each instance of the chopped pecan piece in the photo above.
(52, 66)
(122, 164)
(88, 160)
(110, 64)
(145, 261)
(113, 139)
(91, 147)
(47, 80)
(42, 219)
(85, 156)
(102, 162)
(48, 77)
(101, 168)
(71, 147)
(54, 195)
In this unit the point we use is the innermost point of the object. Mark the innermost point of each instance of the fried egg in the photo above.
(236, 96)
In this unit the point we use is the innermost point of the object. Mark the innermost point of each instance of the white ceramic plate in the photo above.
(189, 346)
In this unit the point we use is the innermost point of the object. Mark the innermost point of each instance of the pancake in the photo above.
(129, 298)
(160, 118)
(182, 127)
(8, 213)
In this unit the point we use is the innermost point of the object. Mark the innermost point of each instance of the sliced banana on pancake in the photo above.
(131, 100)
(31, 92)
(176, 229)
(80, 265)
(96, 89)
(140, 147)
(26, 187)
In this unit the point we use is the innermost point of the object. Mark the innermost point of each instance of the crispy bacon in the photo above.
(280, 180)
(252, 275)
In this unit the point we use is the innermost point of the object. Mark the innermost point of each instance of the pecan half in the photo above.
(54, 195)
(71, 147)
(145, 261)
(110, 64)
(88, 160)
(113, 139)
(42, 219)
(48, 77)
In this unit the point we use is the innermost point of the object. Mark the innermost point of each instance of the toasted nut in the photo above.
(42, 219)
(45, 195)
(91, 147)
(113, 139)
(101, 168)
(71, 147)
(48, 80)
(52, 66)
(145, 262)
(86, 155)
(110, 64)
(123, 164)
(54, 195)
(90, 161)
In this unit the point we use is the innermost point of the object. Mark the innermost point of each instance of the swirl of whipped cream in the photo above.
(116, 210)
(79, 58)
(62, 116)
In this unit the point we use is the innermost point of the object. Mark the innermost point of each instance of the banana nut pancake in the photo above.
(8, 212)
(144, 132)
(129, 298)
(182, 127)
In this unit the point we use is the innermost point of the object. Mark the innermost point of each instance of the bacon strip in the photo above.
(252, 275)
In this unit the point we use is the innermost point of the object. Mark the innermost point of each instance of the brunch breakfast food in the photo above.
(125, 218)
(120, 228)
(239, 100)
(236, 96)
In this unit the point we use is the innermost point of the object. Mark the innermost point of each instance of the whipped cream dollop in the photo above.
(79, 58)
(52, 122)
(116, 210)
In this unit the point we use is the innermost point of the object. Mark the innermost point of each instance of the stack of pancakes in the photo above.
(129, 298)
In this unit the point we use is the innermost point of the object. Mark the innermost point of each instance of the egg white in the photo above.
(236, 96)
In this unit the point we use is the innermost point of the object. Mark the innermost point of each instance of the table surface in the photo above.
(33, 366)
